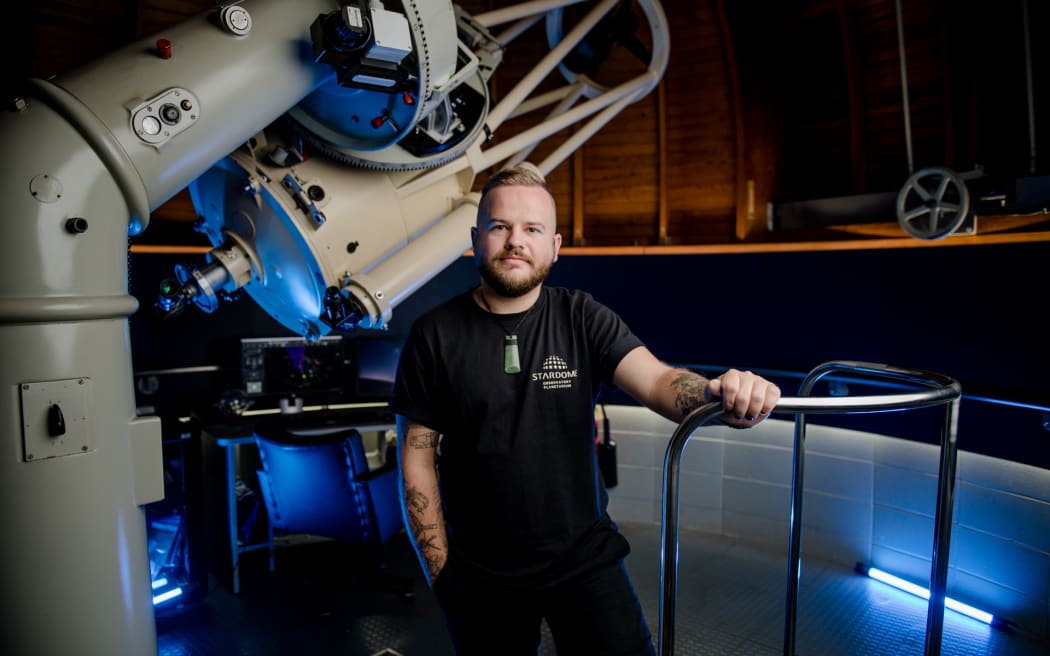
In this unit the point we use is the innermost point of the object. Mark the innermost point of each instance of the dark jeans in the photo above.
(595, 613)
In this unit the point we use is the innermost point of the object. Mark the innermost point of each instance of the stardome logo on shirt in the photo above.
(555, 373)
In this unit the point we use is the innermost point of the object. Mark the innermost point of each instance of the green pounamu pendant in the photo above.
(511, 364)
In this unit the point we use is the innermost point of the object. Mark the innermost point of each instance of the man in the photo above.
(495, 399)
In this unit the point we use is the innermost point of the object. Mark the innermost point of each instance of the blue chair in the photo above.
(318, 482)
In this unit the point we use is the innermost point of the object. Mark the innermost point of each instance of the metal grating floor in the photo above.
(730, 603)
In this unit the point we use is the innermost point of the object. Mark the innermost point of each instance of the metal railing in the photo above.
(938, 390)
(1007, 398)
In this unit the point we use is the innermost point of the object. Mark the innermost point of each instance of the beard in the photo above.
(513, 288)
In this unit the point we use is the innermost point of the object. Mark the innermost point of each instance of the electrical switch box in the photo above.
(55, 419)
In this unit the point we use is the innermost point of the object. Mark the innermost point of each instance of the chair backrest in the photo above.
(321, 485)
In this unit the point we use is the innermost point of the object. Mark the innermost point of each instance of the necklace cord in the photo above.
(511, 361)
(512, 333)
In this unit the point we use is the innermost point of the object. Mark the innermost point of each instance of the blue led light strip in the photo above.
(918, 591)
(166, 596)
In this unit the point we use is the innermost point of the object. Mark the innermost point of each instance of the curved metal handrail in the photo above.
(940, 390)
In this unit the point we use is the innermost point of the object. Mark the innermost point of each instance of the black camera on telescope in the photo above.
(366, 46)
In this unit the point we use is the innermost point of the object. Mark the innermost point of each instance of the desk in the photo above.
(230, 436)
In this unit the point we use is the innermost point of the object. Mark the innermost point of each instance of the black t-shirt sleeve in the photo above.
(415, 386)
(610, 337)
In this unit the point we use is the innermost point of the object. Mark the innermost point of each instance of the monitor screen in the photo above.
(281, 367)
(377, 359)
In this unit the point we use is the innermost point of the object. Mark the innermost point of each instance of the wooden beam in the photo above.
(855, 93)
(814, 246)
(661, 163)
(878, 243)
(948, 59)
(577, 198)
(744, 218)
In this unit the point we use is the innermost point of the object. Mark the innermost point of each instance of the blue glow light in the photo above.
(166, 596)
(160, 583)
(918, 591)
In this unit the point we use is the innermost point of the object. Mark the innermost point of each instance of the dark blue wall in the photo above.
(972, 313)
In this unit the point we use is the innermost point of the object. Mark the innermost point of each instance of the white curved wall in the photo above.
(868, 498)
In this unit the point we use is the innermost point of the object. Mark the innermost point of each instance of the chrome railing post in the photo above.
(795, 528)
(669, 524)
(942, 530)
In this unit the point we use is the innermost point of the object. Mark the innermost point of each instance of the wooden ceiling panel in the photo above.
(761, 103)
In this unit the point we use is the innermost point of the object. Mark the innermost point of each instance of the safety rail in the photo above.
(941, 390)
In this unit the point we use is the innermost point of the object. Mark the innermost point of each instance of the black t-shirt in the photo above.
(519, 478)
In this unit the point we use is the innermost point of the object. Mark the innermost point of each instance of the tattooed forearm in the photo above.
(689, 391)
(427, 527)
(428, 440)
(421, 495)
(428, 540)
(416, 501)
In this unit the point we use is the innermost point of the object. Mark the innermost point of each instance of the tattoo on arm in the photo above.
(428, 440)
(416, 501)
(689, 391)
(430, 539)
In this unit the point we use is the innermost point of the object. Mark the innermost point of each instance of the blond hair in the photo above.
(524, 174)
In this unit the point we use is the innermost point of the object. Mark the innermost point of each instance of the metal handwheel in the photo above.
(933, 203)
